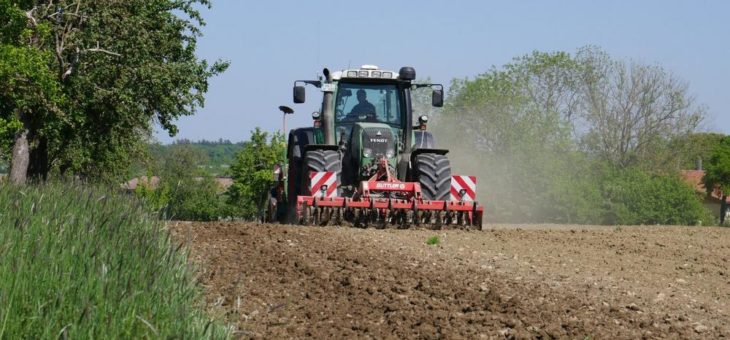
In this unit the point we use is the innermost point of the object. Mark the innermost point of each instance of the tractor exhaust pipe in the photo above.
(328, 116)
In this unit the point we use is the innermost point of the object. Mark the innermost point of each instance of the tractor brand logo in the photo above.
(378, 140)
(383, 186)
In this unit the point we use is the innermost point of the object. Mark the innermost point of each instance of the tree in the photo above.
(252, 172)
(695, 147)
(547, 133)
(27, 87)
(632, 111)
(512, 127)
(119, 67)
(717, 173)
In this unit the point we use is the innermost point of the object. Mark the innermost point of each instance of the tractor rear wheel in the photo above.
(319, 161)
(433, 172)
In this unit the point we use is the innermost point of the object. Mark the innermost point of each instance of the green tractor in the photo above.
(365, 162)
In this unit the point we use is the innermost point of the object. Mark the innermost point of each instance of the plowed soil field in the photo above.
(516, 281)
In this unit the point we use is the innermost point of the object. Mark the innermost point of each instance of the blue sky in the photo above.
(272, 43)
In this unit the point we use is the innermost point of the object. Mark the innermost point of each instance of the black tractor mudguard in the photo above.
(320, 147)
(419, 151)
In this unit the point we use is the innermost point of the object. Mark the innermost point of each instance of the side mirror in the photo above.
(437, 98)
(299, 94)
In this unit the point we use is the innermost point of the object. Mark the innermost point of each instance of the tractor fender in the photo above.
(311, 147)
(419, 151)
(298, 140)
(423, 140)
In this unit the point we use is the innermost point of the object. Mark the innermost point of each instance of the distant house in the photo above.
(223, 182)
(713, 201)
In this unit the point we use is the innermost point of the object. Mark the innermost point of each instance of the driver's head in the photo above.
(361, 96)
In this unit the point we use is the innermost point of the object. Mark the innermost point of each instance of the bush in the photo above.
(185, 191)
(155, 199)
(635, 197)
(194, 199)
(86, 263)
(252, 173)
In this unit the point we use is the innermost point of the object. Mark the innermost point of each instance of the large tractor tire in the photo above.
(298, 140)
(433, 172)
(319, 161)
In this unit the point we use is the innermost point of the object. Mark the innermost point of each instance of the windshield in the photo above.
(368, 103)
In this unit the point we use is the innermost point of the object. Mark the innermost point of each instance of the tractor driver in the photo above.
(364, 107)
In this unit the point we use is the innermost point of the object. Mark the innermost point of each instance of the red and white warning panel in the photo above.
(323, 184)
(463, 188)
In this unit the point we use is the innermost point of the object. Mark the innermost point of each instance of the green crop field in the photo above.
(79, 262)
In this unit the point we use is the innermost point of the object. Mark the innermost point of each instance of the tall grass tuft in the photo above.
(80, 262)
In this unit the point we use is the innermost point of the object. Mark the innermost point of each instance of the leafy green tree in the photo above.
(693, 147)
(252, 172)
(118, 66)
(28, 90)
(717, 173)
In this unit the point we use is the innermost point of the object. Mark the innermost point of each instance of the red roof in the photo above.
(694, 178)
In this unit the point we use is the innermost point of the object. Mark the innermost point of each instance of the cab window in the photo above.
(368, 103)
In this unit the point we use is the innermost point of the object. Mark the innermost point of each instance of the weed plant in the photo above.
(433, 241)
(81, 262)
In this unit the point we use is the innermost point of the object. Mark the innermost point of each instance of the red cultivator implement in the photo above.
(384, 201)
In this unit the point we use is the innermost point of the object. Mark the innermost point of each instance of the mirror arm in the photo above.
(315, 83)
(418, 86)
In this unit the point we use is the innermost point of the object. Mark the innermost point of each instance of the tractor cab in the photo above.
(370, 121)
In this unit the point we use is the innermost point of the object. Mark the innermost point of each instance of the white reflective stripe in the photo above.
(321, 179)
(314, 184)
(469, 187)
(331, 183)
(471, 182)
(455, 187)
(316, 177)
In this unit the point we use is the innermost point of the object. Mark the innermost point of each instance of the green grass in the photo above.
(79, 262)
(433, 240)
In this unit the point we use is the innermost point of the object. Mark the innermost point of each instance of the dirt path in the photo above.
(508, 281)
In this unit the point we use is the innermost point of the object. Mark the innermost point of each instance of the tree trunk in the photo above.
(39, 165)
(21, 158)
